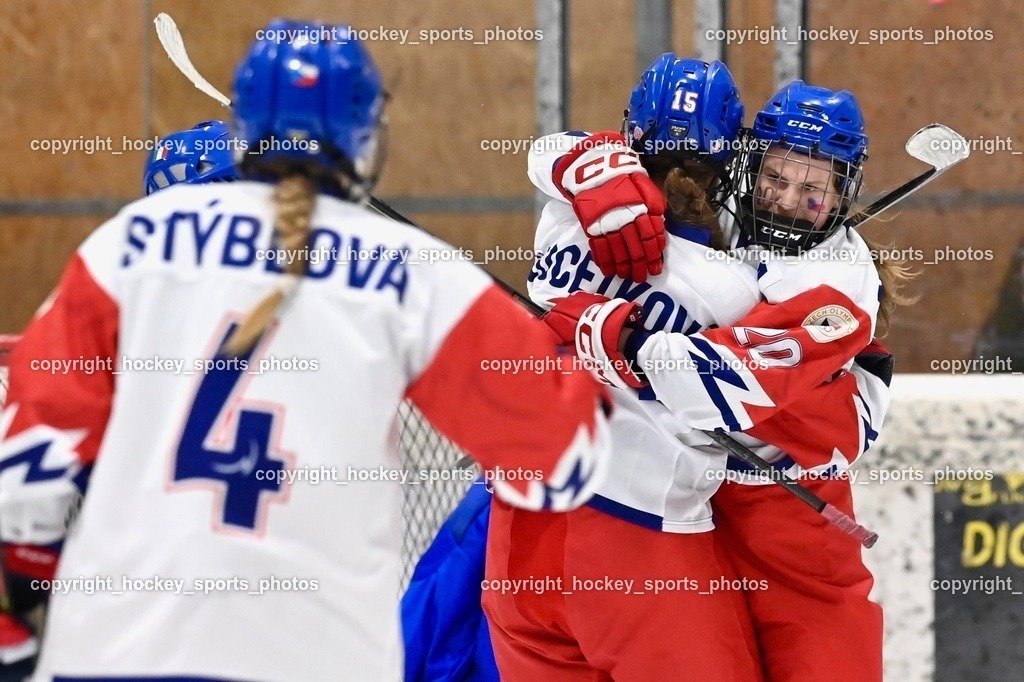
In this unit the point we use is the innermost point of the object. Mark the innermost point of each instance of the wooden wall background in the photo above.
(94, 68)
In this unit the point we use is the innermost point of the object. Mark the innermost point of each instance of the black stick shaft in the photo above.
(892, 198)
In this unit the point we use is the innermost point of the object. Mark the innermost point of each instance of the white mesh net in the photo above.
(427, 504)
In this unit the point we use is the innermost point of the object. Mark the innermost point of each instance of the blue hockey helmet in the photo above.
(197, 155)
(687, 107)
(817, 121)
(308, 95)
(803, 132)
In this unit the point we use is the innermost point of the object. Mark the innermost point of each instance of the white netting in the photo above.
(427, 504)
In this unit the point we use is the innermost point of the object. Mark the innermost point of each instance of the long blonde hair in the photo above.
(895, 273)
(294, 200)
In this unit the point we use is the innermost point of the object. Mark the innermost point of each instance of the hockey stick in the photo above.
(925, 145)
(832, 514)
(170, 39)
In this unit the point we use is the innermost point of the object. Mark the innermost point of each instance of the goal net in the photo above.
(427, 502)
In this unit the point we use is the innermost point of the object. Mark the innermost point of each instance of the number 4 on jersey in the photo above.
(238, 464)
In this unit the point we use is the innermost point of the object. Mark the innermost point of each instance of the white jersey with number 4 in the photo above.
(242, 515)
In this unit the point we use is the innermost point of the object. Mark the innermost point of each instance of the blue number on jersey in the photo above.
(238, 467)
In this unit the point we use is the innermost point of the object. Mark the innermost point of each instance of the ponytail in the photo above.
(294, 200)
(894, 274)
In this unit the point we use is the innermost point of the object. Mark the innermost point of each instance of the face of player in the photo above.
(795, 185)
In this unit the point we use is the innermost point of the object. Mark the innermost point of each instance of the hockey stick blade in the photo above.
(170, 37)
(940, 147)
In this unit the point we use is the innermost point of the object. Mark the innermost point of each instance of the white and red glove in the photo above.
(593, 324)
(621, 209)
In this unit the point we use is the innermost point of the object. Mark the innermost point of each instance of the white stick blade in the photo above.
(938, 145)
(170, 37)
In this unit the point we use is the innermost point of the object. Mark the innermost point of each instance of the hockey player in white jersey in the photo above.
(675, 104)
(651, 519)
(241, 517)
(197, 155)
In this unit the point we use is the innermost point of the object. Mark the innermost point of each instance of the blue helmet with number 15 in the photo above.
(685, 107)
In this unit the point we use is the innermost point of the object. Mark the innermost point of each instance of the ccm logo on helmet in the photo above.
(804, 125)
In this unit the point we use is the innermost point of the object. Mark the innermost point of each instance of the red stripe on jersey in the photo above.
(81, 324)
(793, 346)
(813, 426)
(518, 420)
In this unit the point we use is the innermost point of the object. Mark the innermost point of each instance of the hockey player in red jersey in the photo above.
(219, 371)
(784, 386)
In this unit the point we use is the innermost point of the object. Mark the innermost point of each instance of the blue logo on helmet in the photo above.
(302, 74)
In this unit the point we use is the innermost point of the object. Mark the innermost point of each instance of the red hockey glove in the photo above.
(17, 643)
(593, 325)
(621, 209)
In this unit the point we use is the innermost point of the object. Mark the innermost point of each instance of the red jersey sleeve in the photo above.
(498, 388)
(61, 390)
